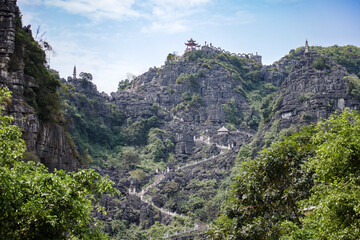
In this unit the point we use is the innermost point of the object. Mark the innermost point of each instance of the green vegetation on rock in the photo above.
(354, 85)
(45, 98)
(317, 167)
(347, 56)
(319, 63)
(188, 79)
(36, 204)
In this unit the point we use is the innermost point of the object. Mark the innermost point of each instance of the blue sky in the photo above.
(110, 38)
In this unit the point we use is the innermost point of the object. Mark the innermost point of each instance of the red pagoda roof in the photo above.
(191, 43)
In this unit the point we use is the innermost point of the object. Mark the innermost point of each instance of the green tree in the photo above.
(36, 204)
(233, 113)
(86, 76)
(124, 84)
(336, 194)
(317, 167)
(319, 63)
(266, 191)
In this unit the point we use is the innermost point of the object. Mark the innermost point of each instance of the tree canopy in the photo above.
(86, 76)
(316, 168)
(36, 204)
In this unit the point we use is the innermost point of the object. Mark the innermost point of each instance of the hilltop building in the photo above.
(256, 57)
(307, 49)
(74, 72)
(222, 131)
(191, 45)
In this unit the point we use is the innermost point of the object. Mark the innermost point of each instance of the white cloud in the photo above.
(30, 17)
(170, 27)
(168, 16)
(107, 68)
(282, 1)
(98, 9)
(172, 16)
(181, 4)
(30, 2)
(239, 17)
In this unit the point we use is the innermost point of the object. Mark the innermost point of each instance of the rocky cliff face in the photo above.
(315, 88)
(194, 97)
(187, 101)
(190, 99)
(48, 141)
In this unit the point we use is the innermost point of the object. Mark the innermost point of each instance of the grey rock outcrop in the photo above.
(47, 141)
(309, 94)
(163, 87)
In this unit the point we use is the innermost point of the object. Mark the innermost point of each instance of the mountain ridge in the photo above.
(179, 108)
(168, 118)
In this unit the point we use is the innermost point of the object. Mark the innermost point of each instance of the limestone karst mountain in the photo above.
(158, 136)
(171, 116)
(34, 97)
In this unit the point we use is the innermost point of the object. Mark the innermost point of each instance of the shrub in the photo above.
(319, 63)
(188, 79)
(171, 187)
(138, 174)
(233, 114)
(354, 85)
(36, 204)
(206, 65)
(201, 73)
(171, 89)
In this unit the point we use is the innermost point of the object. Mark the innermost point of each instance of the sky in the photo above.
(112, 38)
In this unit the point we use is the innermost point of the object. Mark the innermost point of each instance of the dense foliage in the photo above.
(317, 167)
(336, 194)
(36, 204)
(319, 63)
(354, 86)
(347, 56)
(92, 132)
(266, 191)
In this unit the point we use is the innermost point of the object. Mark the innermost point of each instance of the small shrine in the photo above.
(74, 72)
(191, 45)
(222, 131)
(307, 49)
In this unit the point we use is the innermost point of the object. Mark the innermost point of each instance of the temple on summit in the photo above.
(307, 49)
(191, 45)
(74, 72)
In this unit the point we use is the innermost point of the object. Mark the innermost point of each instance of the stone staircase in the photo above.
(159, 178)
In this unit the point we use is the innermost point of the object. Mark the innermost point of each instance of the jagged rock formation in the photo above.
(187, 100)
(309, 92)
(190, 96)
(48, 141)
(193, 96)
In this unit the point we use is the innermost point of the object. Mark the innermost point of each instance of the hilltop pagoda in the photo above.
(74, 72)
(191, 45)
(307, 49)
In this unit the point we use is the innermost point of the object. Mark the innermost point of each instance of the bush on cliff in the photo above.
(317, 167)
(36, 204)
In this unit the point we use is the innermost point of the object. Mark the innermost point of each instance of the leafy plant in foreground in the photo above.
(36, 204)
(317, 167)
